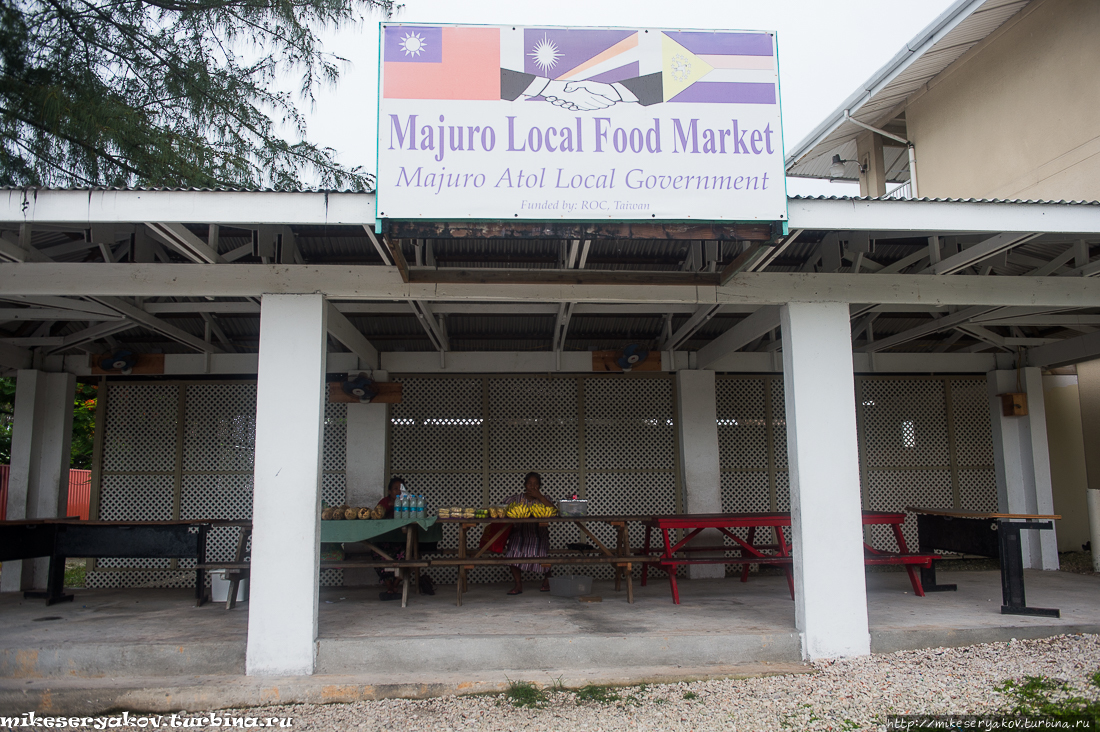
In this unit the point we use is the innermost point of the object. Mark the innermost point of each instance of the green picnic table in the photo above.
(379, 530)
(371, 532)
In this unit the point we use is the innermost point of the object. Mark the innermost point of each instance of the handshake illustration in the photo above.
(584, 95)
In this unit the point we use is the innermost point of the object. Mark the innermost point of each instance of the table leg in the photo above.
(1012, 574)
(752, 542)
(414, 538)
(782, 542)
(928, 580)
(200, 574)
(461, 555)
(620, 529)
(238, 556)
(630, 583)
(645, 567)
(671, 569)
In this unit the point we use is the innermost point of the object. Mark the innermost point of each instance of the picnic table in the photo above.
(61, 538)
(986, 534)
(751, 552)
(620, 557)
(371, 532)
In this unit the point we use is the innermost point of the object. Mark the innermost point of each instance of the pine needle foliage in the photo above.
(173, 93)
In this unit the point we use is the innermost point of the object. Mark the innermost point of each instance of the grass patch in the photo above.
(689, 695)
(596, 693)
(75, 570)
(1044, 697)
(525, 695)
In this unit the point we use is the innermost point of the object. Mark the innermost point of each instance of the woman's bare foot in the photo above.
(515, 591)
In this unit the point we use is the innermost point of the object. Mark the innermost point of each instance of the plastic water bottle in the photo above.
(399, 507)
(421, 508)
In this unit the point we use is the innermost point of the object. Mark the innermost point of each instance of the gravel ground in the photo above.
(840, 695)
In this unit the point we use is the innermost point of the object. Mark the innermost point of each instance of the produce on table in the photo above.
(350, 513)
(338, 513)
(326, 514)
(518, 510)
(366, 513)
(378, 512)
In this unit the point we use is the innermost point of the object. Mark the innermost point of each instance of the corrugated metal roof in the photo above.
(955, 32)
(946, 200)
(182, 189)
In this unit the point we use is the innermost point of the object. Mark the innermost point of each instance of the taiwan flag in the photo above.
(424, 62)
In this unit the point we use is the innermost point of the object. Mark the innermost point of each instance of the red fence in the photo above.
(80, 493)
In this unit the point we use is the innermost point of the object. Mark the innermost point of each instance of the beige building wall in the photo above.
(1018, 116)
(1067, 460)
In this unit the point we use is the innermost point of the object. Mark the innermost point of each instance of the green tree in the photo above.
(168, 92)
(83, 423)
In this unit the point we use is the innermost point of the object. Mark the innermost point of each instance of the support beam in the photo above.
(219, 332)
(78, 309)
(383, 283)
(12, 251)
(154, 323)
(88, 335)
(1041, 321)
(180, 238)
(819, 386)
(1070, 350)
(14, 357)
(11, 314)
(340, 328)
(770, 256)
(698, 319)
(937, 325)
(431, 326)
(282, 607)
(991, 247)
(745, 332)
(393, 246)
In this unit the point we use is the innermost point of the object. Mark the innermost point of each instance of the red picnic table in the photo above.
(777, 553)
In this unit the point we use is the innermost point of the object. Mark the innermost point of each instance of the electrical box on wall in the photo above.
(1014, 404)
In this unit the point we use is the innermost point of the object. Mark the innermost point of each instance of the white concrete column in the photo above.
(282, 607)
(38, 481)
(1022, 461)
(701, 472)
(1088, 391)
(822, 450)
(365, 467)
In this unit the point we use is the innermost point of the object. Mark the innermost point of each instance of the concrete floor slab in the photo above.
(132, 645)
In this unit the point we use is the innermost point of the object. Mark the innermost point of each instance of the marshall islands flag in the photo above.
(488, 63)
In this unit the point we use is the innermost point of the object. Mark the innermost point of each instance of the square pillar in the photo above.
(696, 417)
(365, 468)
(1088, 391)
(1022, 461)
(823, 453)
(282, 607)
(38, 481)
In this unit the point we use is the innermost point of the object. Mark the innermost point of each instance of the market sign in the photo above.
(482, 122)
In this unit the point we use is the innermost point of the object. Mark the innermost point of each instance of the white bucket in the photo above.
(219, 587)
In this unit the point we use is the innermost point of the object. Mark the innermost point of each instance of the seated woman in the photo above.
(529, 540)
(395, 549)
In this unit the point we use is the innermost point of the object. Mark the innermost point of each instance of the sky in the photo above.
(827, 49)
